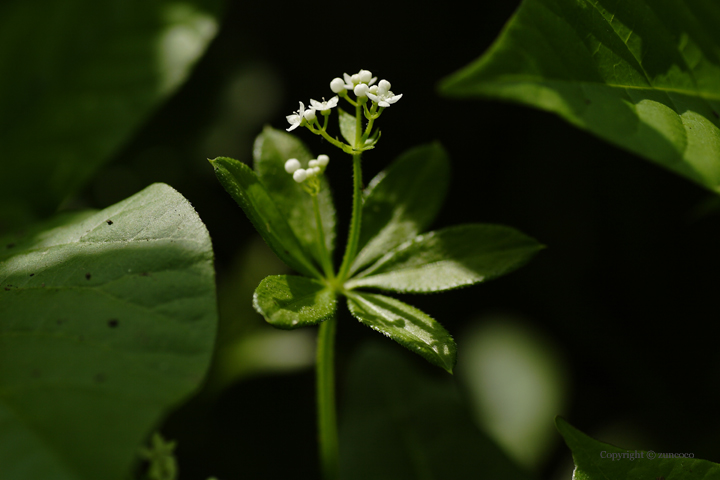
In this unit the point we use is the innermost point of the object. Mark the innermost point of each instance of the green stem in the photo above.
(324, 254)
(354, 235)
(327, 417)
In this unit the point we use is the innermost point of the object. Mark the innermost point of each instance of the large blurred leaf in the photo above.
(644, 75)
(272, 149)
(599, 461)
(108, 319)
(450, 258)
(402, 200)
(412, 328)
(79, 77)
(289, 301)
(399, 424)
(244, 187)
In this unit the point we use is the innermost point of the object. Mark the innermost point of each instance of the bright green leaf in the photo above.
(642, 75)
(450, 258)
(79, 78)
(347, 126)
(410, 327)
(272, 149)
(599, 461)
(243, 185)
(289, 301)
(108, 320)
(402, 200)
(400, 424)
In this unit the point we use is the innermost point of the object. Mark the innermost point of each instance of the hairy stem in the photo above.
(327, 417)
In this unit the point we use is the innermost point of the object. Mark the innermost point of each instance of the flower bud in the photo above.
(309, 115)
(337, 85)
(316, 171)
(300, 175)
(313, 163)
(365, 76)
(292, 165)
(384, 86)
(323, 160)
(361, 90)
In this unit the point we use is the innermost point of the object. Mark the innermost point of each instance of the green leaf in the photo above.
(402, 200)
(599, 461)
(411, 328)
(108, 321)
(289, 301)
(401, 424)
(642, 75)
(450, 258)
(347, 126)
(272, 149)
(80, 89)
(243, 185)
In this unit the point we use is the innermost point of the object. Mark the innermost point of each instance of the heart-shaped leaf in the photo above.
(642, 75)
(401, 424)
(289, 301)
(450, 258)
(402, 200)
(108, 320)
(272, 149)
(599, 461)
(243, 185)
(72, 95)
(410, 327)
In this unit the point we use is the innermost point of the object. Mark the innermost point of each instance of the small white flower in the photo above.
(296, 118)
(361, 90)
(323, 160)
(324, 105)
(309, 114)
(292, 165)
(300, 175)
(383, 96)
(337, 85)
(363, 76)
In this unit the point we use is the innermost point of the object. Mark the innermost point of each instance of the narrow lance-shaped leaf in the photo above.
(272, 149)
(289, 301)
(402, 200)
(243, 185)
(642, 75)
(401, 424)
(599, 461)
(450, 258)
(410, 327)
(108, 320)
(81, 88)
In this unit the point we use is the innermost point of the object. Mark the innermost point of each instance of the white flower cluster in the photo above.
(362, 84)
(315, 167)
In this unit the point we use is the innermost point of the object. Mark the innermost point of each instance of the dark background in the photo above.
(627, 286)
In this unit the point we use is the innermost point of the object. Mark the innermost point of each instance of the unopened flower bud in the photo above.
(316, 171)
(309, 115)
(300, 175)
(384, 86)
(365, 76)
(323, 160)
(313, 163)
(361, 90)
(292, 165)
(337, 85)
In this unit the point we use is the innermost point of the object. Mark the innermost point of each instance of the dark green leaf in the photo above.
(402, 200)
(243, 185)
(347, 126)
(288, 301)
(411, 328)
(450, 258)
(108, 320)
(599, 461)
(642, 75)
(400, 424)
(79, 78)
(272, 149)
